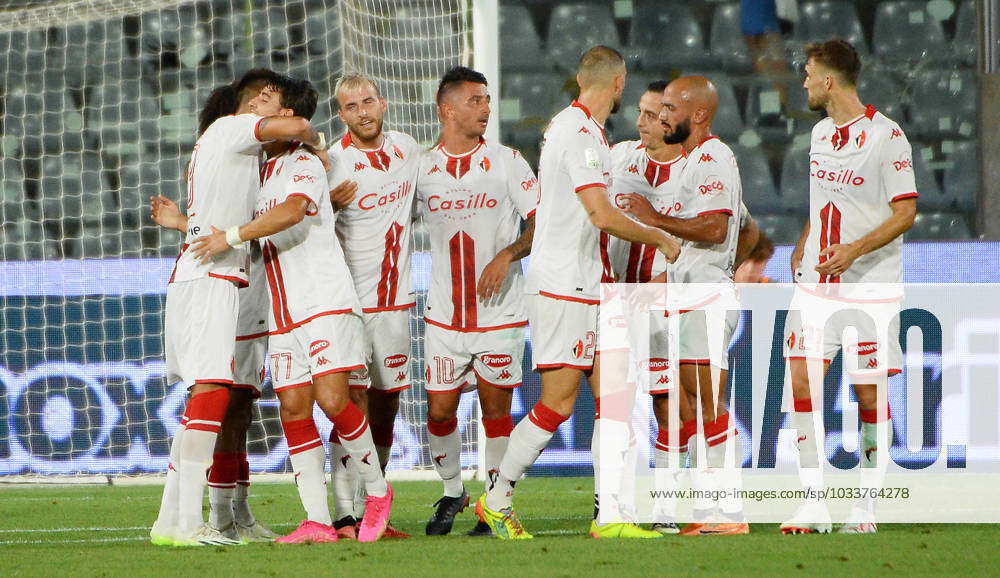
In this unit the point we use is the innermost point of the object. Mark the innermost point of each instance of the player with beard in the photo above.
(847, 267)
(472, 195)
(376, 171)
(706, 216)
(564, 280)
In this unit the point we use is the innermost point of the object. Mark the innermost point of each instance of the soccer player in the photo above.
(202, 306)
(316, 331)
(652, 168)
(229, 476)
(374, 224)
(472, 195)
(707, 217)
(862, 198)
(564, 279)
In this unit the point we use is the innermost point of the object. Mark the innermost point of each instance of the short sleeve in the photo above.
(307, 180)
(896, 167)
(242, 133)
(583, 161)
(714, 181)
(522, 184)
(744, 215)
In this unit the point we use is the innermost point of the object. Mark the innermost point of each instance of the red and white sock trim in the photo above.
(350, 422)
(442, 428)
(498, 428)
(803, 405)
(546, 418)
(719, 430)
(302, 435)
(871, 415)
(205, 411)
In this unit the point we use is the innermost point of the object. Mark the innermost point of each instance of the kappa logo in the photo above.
(400, 376)
(497, 360)
(872, 363)
(434, 169)
(866, 348)
(302, 158)
(659, 364)
(869, 452)
(307, 178)
(896, 133)
(705, 158)
(322, 361)
(485, 164)
(360, 167)
(317, 346)
(803, 438)
(664, 380)
(583, 130)
(394, 361)
(505, 374)
(633, 169)
(709, 188)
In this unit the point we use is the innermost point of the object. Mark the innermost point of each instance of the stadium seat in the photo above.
(774, 120)
(826, 19)
(944, 104)
(939, 227)
(726, 39)
(782, 229)
(532, 95)
(728, 121)
(905, 32)
(759, 193)
(665, 36)
(577, 26)
(964, 45)
(795, 179)
(520, 46)
(961, 177)
(883, 91)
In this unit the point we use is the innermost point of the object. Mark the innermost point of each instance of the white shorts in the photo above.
(458, 361)
(325, 345)
(703, 331)
(251, 333)
(659, 369)
(387, 350)
(814, 329)
(200, 331)
(621, 330)
(563, 332)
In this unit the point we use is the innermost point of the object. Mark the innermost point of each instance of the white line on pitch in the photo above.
(81, 541)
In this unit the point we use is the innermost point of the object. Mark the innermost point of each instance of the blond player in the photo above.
(473, 195)
(564, 279)
(847, 263)
(374, 225)
(202, 306)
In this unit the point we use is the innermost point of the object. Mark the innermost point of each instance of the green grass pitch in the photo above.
(103, 531)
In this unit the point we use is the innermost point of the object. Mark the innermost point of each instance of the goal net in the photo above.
(99, 103)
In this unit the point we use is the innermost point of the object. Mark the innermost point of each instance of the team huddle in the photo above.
(297, 256)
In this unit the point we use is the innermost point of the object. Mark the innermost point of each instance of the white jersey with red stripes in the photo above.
(568, 258)
(307, 276)
(709, 183)
(473, 205)
(635, 172)
(375, 229)
(222, 183)
(856, 172)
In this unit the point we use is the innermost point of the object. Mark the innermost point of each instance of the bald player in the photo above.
(563, 283)
(706, 218)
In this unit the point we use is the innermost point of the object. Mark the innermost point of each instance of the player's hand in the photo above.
(166, 214)
(640, 296)
(208, 246)
(840, 257)
(639, 207)
(343, 194)
(494, 274)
